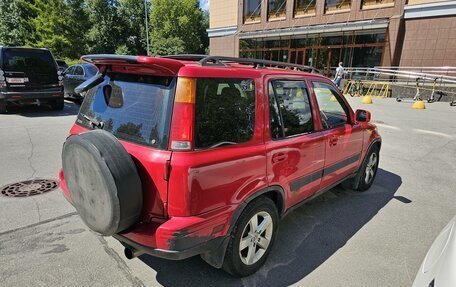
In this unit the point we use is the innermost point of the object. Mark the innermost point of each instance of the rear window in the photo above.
(36, 64)
(138, 111)
(225, 112)
(92, 70)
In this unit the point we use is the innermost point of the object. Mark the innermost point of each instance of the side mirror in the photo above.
(362, 116)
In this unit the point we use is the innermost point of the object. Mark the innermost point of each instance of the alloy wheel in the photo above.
(256, 238)
(370, 168)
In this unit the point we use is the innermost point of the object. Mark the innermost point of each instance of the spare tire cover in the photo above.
(103, 181)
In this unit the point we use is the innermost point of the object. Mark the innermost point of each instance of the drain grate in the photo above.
(29, 187)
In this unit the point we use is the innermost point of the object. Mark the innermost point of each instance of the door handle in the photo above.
(278, 157)
(333, 140)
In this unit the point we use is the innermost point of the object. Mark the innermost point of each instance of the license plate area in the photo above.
(17, 80)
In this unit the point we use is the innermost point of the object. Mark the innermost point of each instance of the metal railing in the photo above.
(434, 78)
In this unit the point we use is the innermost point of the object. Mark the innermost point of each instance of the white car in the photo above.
(439, 266)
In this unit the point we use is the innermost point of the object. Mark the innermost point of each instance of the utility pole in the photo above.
(147, 26)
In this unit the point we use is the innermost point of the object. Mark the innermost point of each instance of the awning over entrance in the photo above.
(317, 29)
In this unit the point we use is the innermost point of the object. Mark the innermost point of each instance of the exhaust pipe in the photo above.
(131, 252)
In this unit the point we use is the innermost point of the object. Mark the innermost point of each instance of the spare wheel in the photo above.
(103, 181)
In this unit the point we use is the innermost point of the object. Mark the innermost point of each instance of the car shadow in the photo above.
(307, 237)
(71, 108)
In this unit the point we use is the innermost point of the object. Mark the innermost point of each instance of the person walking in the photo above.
(339, 74)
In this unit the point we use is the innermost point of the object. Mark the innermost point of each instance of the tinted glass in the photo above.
(225, 111)
(91, 70)
(304, 7)
(252, 10)
(78, 71)
(335, 5)
(37, 65)
(290, 106)
(70, 70)
(333, 110)
(276, 8)
(139, 108)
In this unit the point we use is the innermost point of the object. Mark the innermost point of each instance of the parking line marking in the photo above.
(433, 133)
(388, 127)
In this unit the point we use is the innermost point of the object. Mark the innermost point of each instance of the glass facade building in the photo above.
(321, 33)
(322, 51)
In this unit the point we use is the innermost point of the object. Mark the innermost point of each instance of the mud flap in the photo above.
(216, 256)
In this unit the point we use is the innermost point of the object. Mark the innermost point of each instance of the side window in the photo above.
(333, 110)
(70, 71)
(289, 108)
(78, 71)
(225, 112)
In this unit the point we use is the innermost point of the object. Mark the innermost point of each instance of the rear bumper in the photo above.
(177, 237)
(212, 244)
(31, 96)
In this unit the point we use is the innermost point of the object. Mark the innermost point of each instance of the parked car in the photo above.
(62, 65)
(439, 265)
(29, 75)
(190, 155)
(76, 75)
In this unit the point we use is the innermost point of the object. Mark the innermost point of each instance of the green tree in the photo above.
(10, 33)
(15, 26)
(51, 27)
(177, 27)
(105, 33)
(78, 25)
(134, 27)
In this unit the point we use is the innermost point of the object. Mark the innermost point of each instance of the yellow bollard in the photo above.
(367, 100)
(333, 99)
(419, 105)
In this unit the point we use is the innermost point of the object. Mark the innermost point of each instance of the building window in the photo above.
(304, 8)
(277, 9)
(252, 11)
(367, 4)
(334, 6)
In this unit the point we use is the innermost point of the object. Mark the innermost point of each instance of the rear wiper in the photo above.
(90, 83)
(93, 122)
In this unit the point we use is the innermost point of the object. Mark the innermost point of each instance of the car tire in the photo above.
(2, 107)
(103, 181)
(58, 104)
(243, 260)
(368, 170)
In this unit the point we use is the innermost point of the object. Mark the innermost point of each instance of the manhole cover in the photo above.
(29, 187)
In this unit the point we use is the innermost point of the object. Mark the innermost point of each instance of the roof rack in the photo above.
(186, 57)
(257, 63)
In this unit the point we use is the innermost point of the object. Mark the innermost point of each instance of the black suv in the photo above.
(29, 75)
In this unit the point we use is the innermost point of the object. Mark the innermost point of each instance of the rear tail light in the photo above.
(59, 75)
(181, 137)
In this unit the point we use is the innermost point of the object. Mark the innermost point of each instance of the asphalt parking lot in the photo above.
(343, 238)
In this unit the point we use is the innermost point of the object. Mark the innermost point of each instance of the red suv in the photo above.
(201, 155)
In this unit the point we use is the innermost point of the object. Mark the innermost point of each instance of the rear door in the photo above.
(343, 137)
(29, 69)
(295, 148)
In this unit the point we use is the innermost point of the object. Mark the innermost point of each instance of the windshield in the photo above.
(38, 65)
(135, 108)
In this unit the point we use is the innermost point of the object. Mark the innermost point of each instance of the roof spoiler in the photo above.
(164, 66)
